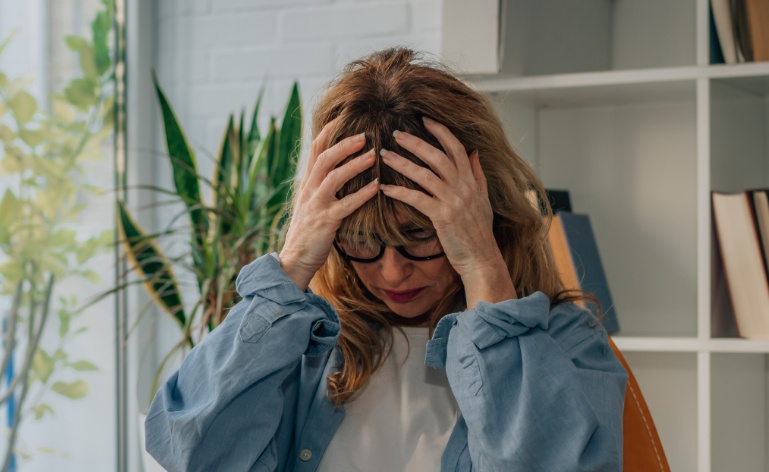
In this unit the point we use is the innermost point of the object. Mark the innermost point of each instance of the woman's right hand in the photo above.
(317, 213)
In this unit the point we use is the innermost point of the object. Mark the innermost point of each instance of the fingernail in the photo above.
(373, 183)
(385, 188)
(395, 134)
(369, 155)
(384, 153)
(427, 120)
(358, 138)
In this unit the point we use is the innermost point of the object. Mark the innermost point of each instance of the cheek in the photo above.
(442, 271)
(365, 274)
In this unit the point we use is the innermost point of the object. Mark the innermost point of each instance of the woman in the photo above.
(412, 217)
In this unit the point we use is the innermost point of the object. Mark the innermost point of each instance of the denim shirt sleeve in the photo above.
(222, 409)
(538, 390)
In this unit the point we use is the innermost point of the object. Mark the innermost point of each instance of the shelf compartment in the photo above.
(739, 404)
(558, 36)
(691, 345)
(632, 168)
(669, 385)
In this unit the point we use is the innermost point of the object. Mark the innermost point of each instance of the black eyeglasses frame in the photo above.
(400, 249)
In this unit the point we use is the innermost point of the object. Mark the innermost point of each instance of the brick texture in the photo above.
(215, 55)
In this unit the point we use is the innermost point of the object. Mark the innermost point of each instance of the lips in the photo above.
(401, 297)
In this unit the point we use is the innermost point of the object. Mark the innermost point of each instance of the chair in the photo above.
(642, 447)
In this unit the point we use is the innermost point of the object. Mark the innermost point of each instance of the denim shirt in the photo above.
(539, 389)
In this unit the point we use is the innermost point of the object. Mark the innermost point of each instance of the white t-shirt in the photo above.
(402, 420)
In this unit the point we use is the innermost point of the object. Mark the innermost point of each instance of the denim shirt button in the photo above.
(305, 455)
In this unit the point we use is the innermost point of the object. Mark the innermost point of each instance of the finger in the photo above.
(432, 156)
(331, 157)
(320, 144)
(345, 206)
(421, 175)
(450, 144)
(415, 198)
(336, 179)
(480, 177)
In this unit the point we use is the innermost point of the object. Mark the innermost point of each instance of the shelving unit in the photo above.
(615, 100)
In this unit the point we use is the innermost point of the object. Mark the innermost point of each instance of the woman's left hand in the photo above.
(459, 207)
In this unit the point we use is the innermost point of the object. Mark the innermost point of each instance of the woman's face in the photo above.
(409, 288)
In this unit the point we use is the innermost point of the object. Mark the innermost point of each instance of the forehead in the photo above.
(389, 223)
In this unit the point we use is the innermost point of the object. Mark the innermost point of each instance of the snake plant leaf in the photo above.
(241, 160)
(253, 135)
(257, 179)
(289, 138)
(184, 167)
(285, 155)
(151, 264)
(226, 158)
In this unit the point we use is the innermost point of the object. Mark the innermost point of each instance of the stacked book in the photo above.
(739, 31)
(741, 263)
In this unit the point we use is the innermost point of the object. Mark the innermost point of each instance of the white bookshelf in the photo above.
(615, 100)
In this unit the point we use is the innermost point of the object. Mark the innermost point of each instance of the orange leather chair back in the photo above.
(642, 448)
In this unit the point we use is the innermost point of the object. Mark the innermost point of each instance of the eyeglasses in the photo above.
(424, 246)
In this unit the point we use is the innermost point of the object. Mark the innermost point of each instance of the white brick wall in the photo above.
(214, 55)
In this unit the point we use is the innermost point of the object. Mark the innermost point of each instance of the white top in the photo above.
(402, 420)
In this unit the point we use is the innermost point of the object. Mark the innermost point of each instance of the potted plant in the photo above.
(240, 220)
(42, 167)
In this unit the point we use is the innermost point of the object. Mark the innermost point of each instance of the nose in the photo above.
(394, 268)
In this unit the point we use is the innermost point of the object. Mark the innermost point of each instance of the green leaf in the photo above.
(81, 93)
(184, 167)
(226, 158)
(32, 137)
(41, 409)
(9, 210)
(91, 276)
(74, 390)
(152, 265)
(7, 40)
(100, 28)
(42, 364)
(60, 355)
(87, 55)
(83, 366)
(23, 105)
(253, 134)
(65, 321)
(290, 136)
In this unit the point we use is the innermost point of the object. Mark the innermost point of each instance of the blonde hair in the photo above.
(392, 90)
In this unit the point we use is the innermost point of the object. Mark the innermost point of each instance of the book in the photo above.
(758, 23)
(760, 207)
(742, 31)
(587, 264)
(743, 268)
(559, 248)
(716, 54)
(559, 199)
(722, 16)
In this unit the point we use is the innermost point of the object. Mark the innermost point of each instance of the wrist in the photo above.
(491, 284)
(298, 274)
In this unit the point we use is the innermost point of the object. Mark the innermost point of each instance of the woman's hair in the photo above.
(392, 90)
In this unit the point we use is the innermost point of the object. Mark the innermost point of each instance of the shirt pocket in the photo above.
(260, 316)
